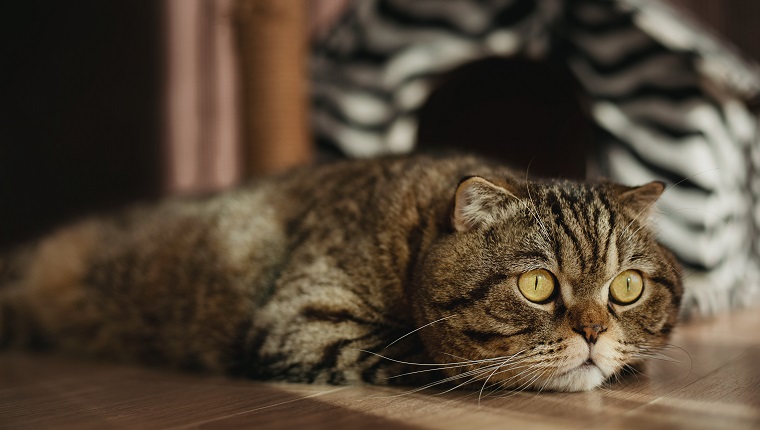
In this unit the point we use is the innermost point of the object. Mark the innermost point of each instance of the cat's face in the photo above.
(548, 286)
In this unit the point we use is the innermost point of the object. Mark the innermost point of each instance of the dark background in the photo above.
(79, 109)
(80, 104)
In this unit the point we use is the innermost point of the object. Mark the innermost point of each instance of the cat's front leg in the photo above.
(314, 352)
(327, 332)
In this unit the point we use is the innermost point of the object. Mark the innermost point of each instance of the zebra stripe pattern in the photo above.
(668, 99)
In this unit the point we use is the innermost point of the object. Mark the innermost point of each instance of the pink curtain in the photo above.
(202, 107)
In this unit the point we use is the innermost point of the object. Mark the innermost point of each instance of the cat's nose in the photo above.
(590, 332)
(588, 321)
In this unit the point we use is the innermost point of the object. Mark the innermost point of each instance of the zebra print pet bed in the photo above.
(667, 100)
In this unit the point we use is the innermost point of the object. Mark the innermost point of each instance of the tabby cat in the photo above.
(414, 270)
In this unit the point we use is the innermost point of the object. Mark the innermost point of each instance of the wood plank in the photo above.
(71, 394)
(717, 386)
(728, 398)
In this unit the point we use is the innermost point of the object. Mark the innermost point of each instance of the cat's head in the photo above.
(555, 285)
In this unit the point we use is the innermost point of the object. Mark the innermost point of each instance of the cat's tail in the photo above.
(18, 327)
(40, 285)
(16, 322)
(14, 263)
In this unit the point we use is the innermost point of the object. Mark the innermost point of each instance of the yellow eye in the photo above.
(626, 288)
(536, 285)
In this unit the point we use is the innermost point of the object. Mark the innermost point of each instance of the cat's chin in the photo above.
(582, 378)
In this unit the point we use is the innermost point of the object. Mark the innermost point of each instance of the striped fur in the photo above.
(325, 275)
(584, 235)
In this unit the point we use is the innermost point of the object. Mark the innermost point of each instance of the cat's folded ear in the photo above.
(639, 200)
(478, 202)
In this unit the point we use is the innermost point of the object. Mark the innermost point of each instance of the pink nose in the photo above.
(588, 320)
(590, 332)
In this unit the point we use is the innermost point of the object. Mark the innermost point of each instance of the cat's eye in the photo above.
(536, 285)
(627, 287)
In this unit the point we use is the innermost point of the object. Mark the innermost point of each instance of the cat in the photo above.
(410, 270)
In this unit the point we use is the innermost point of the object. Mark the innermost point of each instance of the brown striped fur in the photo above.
(314, 275)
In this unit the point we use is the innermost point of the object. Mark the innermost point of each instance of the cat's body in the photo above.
(305, 276)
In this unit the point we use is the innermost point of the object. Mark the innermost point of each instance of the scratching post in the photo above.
(272, 43)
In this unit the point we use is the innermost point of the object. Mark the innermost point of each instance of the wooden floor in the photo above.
(716, 385)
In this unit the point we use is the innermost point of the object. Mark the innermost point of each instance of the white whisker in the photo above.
(485, 383)
(534, 209)
(418, 329)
